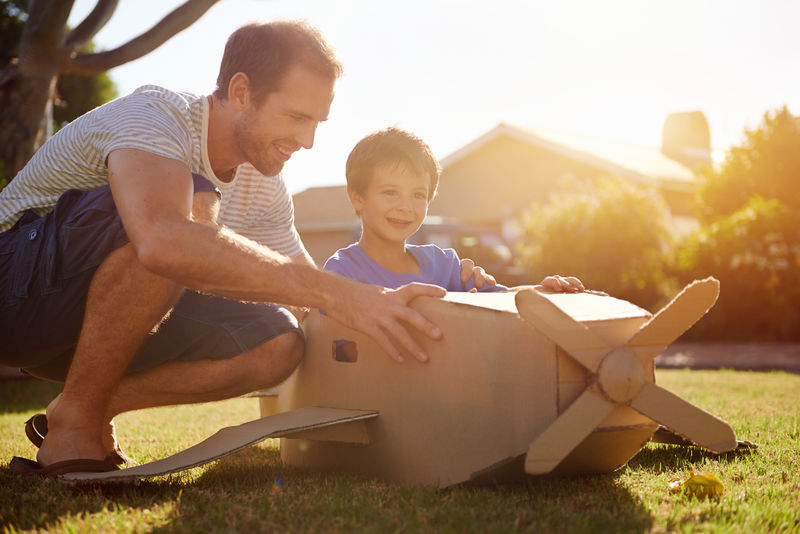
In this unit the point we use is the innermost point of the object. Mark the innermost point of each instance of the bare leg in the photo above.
(200, 381)
(209, 380)
(124, 303)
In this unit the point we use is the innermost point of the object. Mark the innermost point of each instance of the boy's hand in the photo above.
(562, 284)
(383, 314)
(469, 269)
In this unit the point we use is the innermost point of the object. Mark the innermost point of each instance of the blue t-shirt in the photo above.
(436, 266)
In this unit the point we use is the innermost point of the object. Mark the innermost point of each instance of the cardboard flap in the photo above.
(229, 440)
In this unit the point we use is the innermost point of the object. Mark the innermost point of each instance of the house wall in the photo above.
(504, 177)
(322, 244)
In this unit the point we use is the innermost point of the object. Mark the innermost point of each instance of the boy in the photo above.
(392, 177)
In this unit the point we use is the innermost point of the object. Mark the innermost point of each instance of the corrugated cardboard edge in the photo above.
(228, 441)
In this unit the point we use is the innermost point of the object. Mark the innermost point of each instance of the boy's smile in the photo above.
(393, 206)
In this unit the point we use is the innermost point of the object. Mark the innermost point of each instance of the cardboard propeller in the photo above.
(618, 376)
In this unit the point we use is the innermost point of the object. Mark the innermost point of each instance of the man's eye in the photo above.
(420, 196)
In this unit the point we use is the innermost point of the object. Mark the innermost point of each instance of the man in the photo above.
(117, 215)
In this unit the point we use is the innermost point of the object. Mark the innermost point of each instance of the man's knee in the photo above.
(278, 358)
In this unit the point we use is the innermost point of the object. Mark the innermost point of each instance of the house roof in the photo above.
(640, 163)
(322, 208)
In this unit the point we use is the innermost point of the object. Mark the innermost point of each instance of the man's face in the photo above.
(286, 120)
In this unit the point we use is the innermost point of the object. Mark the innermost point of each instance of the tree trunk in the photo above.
(24, 102)
(27, 85)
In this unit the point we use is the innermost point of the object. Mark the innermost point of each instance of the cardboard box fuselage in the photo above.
(493, 383)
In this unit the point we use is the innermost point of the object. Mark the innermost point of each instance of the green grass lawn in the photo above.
(252, 492)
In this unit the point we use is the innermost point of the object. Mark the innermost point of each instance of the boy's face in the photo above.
(394, 204)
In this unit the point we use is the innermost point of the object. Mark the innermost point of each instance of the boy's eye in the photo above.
(420, 196)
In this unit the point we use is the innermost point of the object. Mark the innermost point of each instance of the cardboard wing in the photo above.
(235, 438)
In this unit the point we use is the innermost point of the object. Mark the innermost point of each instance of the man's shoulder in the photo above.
(163, 93)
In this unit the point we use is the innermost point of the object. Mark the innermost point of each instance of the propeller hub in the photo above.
(620, 375)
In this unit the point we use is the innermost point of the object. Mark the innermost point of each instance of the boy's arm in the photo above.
(469, 269)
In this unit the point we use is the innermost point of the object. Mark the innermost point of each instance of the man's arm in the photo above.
(154, 199)
(302, 259)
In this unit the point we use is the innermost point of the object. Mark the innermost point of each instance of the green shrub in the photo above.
(766, 164)
(755, 254)
(611, 234)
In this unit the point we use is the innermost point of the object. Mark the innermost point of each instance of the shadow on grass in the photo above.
(26, 395)
(253, 491)
(31, 503)
(658, 458)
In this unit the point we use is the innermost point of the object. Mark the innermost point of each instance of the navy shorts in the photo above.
(47, 264)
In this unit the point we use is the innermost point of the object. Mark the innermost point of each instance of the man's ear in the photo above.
(239, 90)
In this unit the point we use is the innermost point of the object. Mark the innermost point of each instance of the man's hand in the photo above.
(383, 314)
(561, 284)
(482, 278)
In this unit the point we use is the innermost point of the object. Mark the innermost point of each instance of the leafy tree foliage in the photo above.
(755, 254)
(766, 164)
(751, 237)
(611, 234)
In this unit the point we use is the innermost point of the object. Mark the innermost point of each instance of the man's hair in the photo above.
(390, 146)
(265, 51)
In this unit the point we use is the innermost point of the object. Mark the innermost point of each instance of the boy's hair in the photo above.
(390, 146)
(265, 51)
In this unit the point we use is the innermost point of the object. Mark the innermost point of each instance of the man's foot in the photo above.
(36, 430)
(72, 434)
(23, 466)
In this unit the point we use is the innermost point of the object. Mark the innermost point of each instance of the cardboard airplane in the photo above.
(525, 382)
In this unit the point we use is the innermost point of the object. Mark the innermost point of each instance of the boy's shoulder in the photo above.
(433, 252)
(344, 255)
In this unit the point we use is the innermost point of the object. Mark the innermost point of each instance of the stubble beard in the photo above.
(244, 136)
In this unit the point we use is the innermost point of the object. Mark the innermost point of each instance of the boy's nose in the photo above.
(406, 203)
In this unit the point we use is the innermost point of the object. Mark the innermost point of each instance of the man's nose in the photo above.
(306, 136)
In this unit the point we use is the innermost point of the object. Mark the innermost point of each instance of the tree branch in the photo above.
(93, 23)
(43, 36)
(177, 21)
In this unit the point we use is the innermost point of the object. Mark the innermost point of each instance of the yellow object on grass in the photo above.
(699, 484)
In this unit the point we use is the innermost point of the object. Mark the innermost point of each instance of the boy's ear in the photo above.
(355, 199)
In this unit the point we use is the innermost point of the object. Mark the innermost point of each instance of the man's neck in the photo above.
(222, 150)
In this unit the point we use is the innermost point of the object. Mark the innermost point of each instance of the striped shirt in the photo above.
(167, 123)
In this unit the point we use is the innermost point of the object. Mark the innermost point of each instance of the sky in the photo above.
(451, 70)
